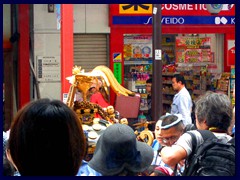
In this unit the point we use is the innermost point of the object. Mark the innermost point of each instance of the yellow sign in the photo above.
(135, 8)
(117, 57)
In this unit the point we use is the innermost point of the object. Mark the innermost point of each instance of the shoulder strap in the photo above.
(194, 141)
(189, 163)
(189, 168)
(189, 127)
(206, 134)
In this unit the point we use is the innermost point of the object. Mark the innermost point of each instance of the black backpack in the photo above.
(190, 127)
(211, 158)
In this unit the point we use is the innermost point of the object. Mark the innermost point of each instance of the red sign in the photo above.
(231, 53)
(172, 10)
(193, 50)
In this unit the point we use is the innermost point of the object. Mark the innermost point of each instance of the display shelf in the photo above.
(137, 62)
(223, 83)
(167, 82)
(140, 82)
(197, 78)
(188, 78)
(168, 44)
(167, 73)
(168, 49)
(143, 102)
(168, 91)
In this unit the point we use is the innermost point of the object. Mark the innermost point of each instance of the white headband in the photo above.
(179, 118)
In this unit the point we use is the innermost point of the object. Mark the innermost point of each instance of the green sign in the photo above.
(117, 71)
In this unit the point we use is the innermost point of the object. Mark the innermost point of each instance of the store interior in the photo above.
(196, 56)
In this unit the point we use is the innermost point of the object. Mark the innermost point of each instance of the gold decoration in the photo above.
(76, 70)
(124, 121)
(82, 81)
(86, 110)
(146, 135)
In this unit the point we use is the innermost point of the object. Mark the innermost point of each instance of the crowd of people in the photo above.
(46, 138)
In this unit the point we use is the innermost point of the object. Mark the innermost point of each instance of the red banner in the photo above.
(169, 9)
(231, 53)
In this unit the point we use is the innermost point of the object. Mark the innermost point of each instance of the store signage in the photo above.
(172, 14)
(117, 71)
(231, 53)
(65, 95)
(193, 50)
(214, 8)
(135, 8)
(158, 54)
(138, 46)
(117, 57)
(175, 20)
(48, 68)
(175, 9)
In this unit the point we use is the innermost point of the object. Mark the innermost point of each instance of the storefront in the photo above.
(192, 39)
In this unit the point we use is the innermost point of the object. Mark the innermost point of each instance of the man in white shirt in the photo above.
(182, 101)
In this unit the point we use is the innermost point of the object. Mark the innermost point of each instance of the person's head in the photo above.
(157, 130)
(46, 138)
(213, 110)
(172, 128)
(97, 84)
(92, 90)
(118, 152)
(178, 82)
(149, 85)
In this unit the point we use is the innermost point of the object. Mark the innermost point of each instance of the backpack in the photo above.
(211, 158)
(189, 127)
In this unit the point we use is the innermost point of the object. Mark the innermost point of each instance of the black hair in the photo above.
(179, 77)
(169, 119)
(46, 138)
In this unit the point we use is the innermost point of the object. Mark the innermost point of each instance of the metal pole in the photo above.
(157, 107)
